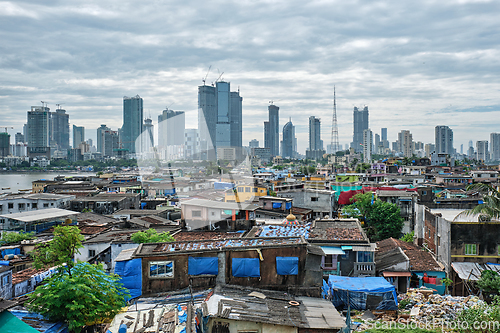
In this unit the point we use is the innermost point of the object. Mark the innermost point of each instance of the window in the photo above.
(21, 206)
(365, 256)
(196, 213)
(498, 250)
(161, 269)
(314, 198)
(45, 205)
(34, 205)
(424, 192)
(91, 253)
(247, 189)
(11, 205)
(345, 256)
(330, 261)
(1, 208)
(5, 280)
(240, 189)
(52, 204)
(471, 249)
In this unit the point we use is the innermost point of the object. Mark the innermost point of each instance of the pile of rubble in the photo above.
(421, 307)
(435, 306)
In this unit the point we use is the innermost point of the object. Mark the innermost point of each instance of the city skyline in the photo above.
(413, 64)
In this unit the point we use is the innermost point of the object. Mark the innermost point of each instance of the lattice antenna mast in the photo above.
(334, 144)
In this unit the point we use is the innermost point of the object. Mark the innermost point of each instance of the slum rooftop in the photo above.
(40, 214)
(219, 204)
(161, 249)
(35, 196)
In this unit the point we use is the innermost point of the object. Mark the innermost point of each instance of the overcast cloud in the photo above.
(416, 64)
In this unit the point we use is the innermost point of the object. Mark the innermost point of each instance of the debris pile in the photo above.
(420, 307)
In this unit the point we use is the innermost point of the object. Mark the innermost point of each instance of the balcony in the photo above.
(364, 269)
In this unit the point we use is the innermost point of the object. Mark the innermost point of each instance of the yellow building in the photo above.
(244, 193)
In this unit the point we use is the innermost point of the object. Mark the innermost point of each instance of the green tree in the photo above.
(84, 296)
(311, 170)
(14, 237)
(381, 219)
(489, 282)
(151, 236)
(490, 208)
(408, 237)
(61, 250)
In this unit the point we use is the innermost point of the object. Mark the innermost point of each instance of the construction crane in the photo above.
(44, 104)
(58, 106)
(205, 79)
(218, 78)
(6, 127)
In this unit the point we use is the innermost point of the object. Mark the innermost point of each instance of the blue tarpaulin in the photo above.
(130, 272)
(246, 267)
(143, 204)
(287, 265)
(11, 251)
(203, 265)
(288, 205)
(355, 290)
(276, 204)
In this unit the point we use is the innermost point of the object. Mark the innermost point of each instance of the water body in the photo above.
(13, 182)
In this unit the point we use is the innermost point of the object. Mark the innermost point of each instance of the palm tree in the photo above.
(490, 208)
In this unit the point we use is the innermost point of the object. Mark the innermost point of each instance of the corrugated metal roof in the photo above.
(219, 204)
(175, 247)
(467, 270)
(40, 214)
(332, 250)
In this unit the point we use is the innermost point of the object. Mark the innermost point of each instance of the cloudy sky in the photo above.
(416, 64)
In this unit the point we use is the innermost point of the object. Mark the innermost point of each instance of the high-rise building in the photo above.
(367, 145)
(100, 130)
(482, 153)
(384, 134)
(235, 119)
(405, 141)
(219, 118)
(376, 144)
(148, 141)
(360, 123)
(19, 138)
(288, 144)
(38, 131)
(4, 144)
(191, 143)
(78, 135)
(59, 130)
(110, 143)
(495, 146)
(444, 140)
(315, 150)
(253, 143)
(271, 130)
(171, 126)
(132, 123)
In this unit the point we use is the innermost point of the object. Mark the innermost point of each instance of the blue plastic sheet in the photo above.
(182, 317)
(11, 251)
(354, 290)
(288, 205)
(276, 204)
(287, 265)
(203, 265)
(130, 272)
(4, 263)
(246, 267)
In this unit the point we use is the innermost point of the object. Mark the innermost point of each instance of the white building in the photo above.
(367, 145)
(18, 203)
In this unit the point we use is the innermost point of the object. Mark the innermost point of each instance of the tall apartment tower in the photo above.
(360, 123)
(59, 130)
(315, 150)
(148, 140)
(19, 138)
(495, 146)
(38, 131)
(443, 140)
(100, 130)
(482, 153)
(78, 135)
(171, 126)
(191, 143)
(288, 144)
(271, 130)
(367, 145)
(4, 144)
(219, 118)
(405, 141)
(132, 123)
